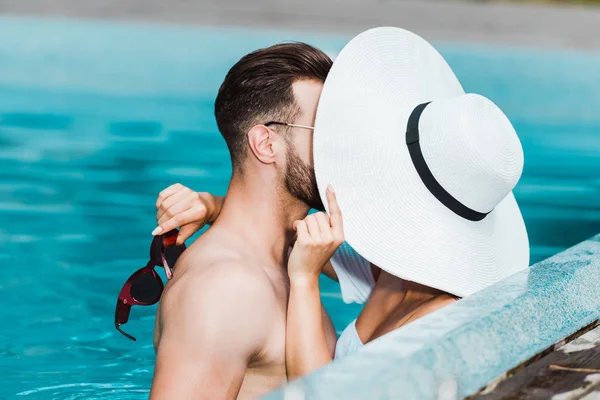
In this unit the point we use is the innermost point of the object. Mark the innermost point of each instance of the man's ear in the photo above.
(261, 143)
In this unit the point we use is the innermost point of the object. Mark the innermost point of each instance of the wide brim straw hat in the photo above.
(423, 172)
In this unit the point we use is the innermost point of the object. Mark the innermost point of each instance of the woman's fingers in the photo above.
(301, 231)
(324, 226)
(185, 233)
(319, 229)
(194, 214)
(314, 246)
(183, 205)
(313, 227)
(182, 200)
(335, 214)
(166, 193)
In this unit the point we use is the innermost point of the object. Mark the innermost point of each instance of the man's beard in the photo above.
(300, 180)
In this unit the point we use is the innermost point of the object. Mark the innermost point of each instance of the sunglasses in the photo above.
(312, 128)
(144, 287)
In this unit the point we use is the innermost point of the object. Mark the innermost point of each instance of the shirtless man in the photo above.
(221, 324)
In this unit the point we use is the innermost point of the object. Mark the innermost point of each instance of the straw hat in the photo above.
(423, 172)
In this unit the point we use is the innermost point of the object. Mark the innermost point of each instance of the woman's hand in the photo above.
(179, 206)
(318, 236)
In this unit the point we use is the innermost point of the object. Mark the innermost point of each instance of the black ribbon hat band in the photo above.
(414, 148)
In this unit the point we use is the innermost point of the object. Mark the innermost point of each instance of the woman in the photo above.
(424, 175)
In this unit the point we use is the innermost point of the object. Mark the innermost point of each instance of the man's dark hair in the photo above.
(258, 89)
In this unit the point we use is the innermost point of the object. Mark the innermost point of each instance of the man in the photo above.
(221, 325)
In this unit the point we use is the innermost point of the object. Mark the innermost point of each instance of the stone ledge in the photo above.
(472, 342)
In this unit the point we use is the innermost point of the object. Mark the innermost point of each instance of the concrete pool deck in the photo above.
(477, 22)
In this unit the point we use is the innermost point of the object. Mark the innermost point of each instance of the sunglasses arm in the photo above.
(122, 312)
(118, 326)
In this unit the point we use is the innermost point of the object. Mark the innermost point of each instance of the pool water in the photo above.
(97, 118)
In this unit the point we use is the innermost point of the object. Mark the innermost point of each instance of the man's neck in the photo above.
(261, 218)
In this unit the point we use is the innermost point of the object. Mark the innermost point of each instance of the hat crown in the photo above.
(471, 149)
(399, 184)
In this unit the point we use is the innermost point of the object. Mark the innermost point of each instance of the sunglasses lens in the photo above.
(172, 253)
(146, 289)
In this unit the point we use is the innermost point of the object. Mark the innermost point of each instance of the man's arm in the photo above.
(212, 326)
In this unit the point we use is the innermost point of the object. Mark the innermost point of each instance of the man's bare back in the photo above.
(223, 315)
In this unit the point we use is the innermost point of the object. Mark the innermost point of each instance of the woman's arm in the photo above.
(306, 342)
(318, 237)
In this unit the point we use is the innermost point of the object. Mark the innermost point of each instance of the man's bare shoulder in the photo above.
(218, 281)
(219, 301)
(215, 319)
(220, 278)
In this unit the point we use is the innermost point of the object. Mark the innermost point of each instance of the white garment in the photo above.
(354, 274)
(349, 342)
(356, 283)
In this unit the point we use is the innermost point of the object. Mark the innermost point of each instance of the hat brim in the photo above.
(390, 217)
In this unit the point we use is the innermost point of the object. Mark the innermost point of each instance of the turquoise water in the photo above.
(95, 119)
